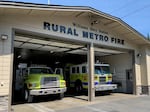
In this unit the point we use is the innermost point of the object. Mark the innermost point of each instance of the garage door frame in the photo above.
(90, 55)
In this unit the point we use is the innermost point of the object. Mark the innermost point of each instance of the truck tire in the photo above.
(78, 87)
(28, 98)
(61, 96)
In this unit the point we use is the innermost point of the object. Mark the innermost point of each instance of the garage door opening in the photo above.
(33, 50)
(121, 67)
(39, 51)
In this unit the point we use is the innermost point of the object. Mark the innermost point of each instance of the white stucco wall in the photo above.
(5, 59)
(147, 68)
(35, 24)
(144, 66)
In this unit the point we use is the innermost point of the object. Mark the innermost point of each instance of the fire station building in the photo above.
(71, 34)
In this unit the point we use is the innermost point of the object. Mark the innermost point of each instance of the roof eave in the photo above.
(24, 5)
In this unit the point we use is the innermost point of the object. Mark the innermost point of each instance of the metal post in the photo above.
(48, 1)
(91, 89)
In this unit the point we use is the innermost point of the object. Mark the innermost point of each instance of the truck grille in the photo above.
(48, 82)
(102, 80)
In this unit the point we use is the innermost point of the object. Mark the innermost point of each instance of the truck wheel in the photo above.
(28, 98)
(61, 96)
(78, 87)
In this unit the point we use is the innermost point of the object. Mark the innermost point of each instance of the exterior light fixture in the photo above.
(139, 55)
(19, 56)
(51, 52)
(4, 37)
(94, 22)
(57, 62)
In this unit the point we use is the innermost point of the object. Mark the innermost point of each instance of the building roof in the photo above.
(109, 21)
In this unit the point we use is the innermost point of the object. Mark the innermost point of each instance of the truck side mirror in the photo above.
(25, 73)
(58, 71)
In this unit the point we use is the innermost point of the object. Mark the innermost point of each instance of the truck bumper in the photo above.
(47, 91)
(105, 87)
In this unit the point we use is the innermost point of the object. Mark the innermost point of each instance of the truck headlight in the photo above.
(32, 84)
(63, 83)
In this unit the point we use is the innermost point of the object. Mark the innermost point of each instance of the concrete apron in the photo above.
(66, 103)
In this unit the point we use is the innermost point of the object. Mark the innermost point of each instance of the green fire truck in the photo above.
(102, 77)
(41, 81)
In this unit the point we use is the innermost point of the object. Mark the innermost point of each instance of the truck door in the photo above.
(129, 81)
(59, 71)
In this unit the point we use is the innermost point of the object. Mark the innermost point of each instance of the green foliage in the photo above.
(148, 37)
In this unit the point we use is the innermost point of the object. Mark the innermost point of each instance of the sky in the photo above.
(135, 13)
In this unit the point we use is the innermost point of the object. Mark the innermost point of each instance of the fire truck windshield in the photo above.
(40, 70)
(102, 70)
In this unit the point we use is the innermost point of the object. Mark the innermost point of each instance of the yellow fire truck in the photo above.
(39, 80)
(102, 77)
